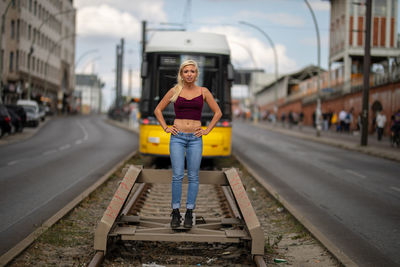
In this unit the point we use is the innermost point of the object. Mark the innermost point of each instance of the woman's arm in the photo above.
(215, 108)
(160, 107)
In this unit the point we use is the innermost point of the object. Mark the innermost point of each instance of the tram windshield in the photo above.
(208, 77)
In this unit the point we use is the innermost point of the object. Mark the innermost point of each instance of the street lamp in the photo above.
(31, 50)
(318, 109)
(248, 52)
(90, 62)
(275, 58)
(3, 17)
(85, 54)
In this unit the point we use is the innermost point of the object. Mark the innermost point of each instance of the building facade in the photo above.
(347, 36)
(88, 93)
(341, 86)
(38, 51)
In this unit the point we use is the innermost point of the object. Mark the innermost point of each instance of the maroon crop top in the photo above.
(189, 109)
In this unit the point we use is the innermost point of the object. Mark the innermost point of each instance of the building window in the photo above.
(393, 9)
(18, 26)
(379, 8)
(29, 32)
(30, 5)
(35, 8)
(11, 67)
(12, 29)
(40, 11)
(29, 61)
(17, 61)
(2, 58)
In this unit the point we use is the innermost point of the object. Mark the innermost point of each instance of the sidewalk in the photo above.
(348, 141)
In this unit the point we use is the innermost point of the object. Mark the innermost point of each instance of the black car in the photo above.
(17, 124)
(5, 120)
(20, 112)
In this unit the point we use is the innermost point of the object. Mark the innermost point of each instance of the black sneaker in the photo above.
(176, 218)
(188, 219)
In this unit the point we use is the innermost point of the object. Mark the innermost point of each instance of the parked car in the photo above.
(17, 124)
(32, 111)
(20, 112)
(5, 120)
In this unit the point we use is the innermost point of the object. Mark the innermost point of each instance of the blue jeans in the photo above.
(192, 146)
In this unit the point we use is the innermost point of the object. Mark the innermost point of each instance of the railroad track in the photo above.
(140, 212)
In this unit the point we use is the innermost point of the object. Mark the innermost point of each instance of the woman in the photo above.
(186, 135)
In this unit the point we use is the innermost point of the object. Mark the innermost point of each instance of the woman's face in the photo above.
(189, 74)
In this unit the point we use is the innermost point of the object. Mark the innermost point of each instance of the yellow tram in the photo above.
(164, 53)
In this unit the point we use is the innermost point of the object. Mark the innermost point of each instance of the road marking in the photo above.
(86, 135)
(65, 147)
(49, 152)
(356, 174)
(12, 162)
(78, 142)
(395, 188)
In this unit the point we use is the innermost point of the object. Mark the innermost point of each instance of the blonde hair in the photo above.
(179, 86)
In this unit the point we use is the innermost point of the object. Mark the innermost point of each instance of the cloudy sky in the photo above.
(102, 23)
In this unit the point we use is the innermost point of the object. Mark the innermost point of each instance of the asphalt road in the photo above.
(42, 174)
(352, 198)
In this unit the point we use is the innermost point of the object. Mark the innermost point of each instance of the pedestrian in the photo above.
(334, 121)
(348, 120)
(290, 119)
(301, 118)
(186, 136)
(325, 117)
(395, 128)
(380, 124)
(342, 118)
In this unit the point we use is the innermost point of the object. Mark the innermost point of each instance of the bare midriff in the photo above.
(187, 126)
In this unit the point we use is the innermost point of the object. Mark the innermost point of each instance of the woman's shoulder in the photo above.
(204, 90)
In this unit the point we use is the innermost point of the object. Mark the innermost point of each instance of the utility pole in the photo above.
(318, 108)
(118, 74)
(117, 96)
(130, 83)
(367, 69)
(143, 47)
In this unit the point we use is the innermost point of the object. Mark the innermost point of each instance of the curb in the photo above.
(22, 245)
(341, 144)
(18, 137)
(332, 248)
(122, 125)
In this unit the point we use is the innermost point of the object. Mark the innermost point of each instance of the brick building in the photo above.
(341, 86)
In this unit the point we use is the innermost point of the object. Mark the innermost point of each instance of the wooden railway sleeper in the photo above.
(119, 219)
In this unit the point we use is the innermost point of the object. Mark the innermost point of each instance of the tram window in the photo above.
(166, 80)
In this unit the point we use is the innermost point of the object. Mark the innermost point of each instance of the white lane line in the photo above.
(49, 152)
(356, 174)
(78, 142)
(86, 135)
(395, 188)
(64, 147)
(12, 162)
